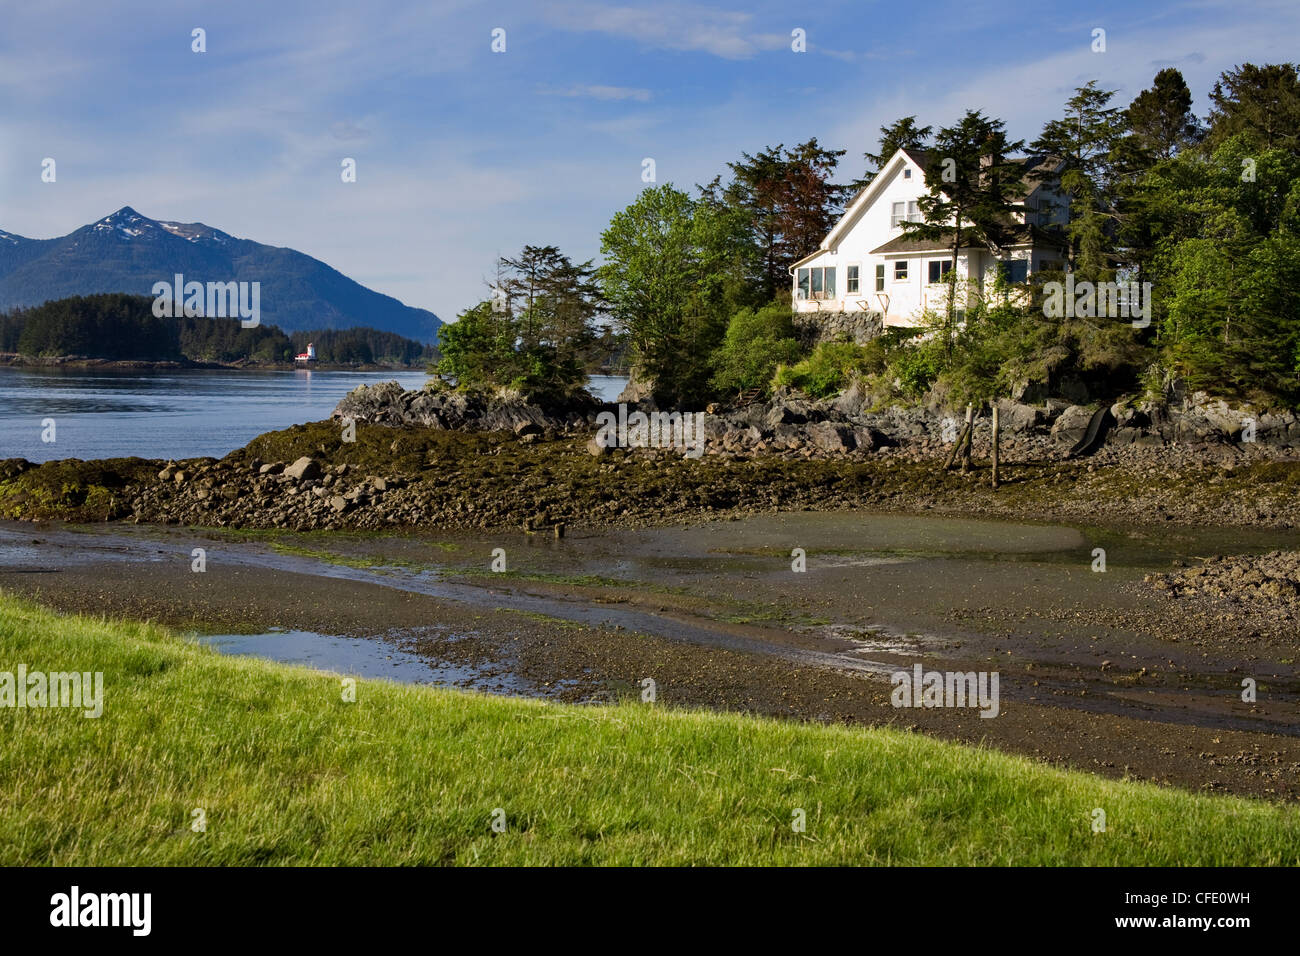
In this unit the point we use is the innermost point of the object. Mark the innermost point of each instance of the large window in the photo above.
(880, 277)
(900, 270)
(851, 280)
(939, 269)
(903, 212)
(817, 283)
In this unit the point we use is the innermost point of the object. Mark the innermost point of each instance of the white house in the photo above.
(867, 264)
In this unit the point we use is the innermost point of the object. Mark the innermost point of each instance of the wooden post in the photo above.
(995, 446)
(963, 441)
(970, 438)
(956, 450)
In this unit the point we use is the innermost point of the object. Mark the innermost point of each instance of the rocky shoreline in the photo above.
(439, 459)
(791, 425)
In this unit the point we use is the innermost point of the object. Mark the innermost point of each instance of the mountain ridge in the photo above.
(128, 252)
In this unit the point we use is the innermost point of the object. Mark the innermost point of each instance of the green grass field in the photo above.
(287, 772)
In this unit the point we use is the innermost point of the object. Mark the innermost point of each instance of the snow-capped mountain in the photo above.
(128, 252)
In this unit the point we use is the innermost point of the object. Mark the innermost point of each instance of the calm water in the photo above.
(174, 414)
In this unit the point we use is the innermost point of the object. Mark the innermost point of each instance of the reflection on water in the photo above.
(112, 413)
(359, 657)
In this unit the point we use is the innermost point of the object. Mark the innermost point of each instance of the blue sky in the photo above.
(463, 153)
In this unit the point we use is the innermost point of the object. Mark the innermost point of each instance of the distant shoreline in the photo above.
(82, 362)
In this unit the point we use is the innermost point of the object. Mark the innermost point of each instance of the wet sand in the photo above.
(1098, 671)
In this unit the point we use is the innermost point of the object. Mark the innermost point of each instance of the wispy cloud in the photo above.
(671, 26)
(597, 92)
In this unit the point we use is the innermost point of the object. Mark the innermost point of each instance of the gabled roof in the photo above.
(919, 156)
(1038, 168)
(1011, 237)
(863, 199)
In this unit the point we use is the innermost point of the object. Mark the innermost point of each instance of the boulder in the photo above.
(1072, 423)
(636, 391)
(851, 401)
(831, 438)
(304, 469)
(1221, 416)
(1018, 417)
(782, 414)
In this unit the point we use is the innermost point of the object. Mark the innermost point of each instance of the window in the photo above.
(851, 280)
(817, 283)
(1049, 265)
(880, 277)
(900, 270)
(903, 212)
(907, 172)
(939, 269)
(1013, 270)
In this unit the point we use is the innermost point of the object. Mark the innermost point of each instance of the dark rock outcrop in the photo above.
(390, 404)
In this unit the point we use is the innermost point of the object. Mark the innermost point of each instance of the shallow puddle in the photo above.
(358, 657)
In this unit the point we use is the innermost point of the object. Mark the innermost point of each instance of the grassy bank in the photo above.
(289, 773)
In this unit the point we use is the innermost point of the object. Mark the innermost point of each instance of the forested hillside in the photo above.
(123, 327)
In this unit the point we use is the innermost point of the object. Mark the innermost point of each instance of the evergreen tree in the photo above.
(900, 134)
(1161, 120)
(970, 182)
(789, 203)
(1261, 101)
(1086, 138)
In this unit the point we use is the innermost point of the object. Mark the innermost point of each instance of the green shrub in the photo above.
(827, 370)
(755, 344)
(915, 368)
